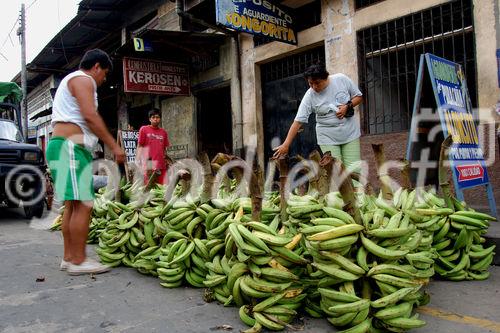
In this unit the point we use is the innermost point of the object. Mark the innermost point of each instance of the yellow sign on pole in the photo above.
(139, 44)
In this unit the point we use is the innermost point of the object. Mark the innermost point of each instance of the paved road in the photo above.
(126, 301)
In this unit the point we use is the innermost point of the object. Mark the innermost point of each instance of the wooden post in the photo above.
(346, 189)
(256, 190)
(325, 167)
(378, 150)
(405, 174)
(314, 181)
(208, 177)
(443, 172)
(283, 169)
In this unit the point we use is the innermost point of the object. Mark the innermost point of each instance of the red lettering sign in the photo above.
(470, 172)
(155, 77)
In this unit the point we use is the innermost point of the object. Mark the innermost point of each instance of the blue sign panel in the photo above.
(455, 112)
(498, 66)
(257, 17)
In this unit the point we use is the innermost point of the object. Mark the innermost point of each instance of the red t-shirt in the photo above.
(154, 141)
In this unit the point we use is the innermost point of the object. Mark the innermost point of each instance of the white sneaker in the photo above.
(64, 265)
(88, 266)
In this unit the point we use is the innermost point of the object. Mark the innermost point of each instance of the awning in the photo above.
(10, 92)
(178, 46)
(42, 113)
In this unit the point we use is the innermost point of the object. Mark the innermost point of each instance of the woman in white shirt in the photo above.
(332, 99)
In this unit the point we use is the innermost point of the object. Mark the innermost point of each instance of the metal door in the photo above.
(283, 87)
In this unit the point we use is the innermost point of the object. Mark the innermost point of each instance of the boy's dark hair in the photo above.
(92, 57)
(316, 71)
(154, 112)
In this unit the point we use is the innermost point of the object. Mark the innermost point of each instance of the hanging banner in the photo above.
(155, 77)
(257, 17)
(455, 112)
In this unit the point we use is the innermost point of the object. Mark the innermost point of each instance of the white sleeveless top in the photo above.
(65, 108)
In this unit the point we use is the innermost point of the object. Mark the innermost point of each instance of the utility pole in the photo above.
(21, 32)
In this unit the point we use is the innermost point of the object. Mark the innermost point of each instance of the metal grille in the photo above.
(389, 56)
(305, 17)
(365, 3)
(9, 156)
(292, 65)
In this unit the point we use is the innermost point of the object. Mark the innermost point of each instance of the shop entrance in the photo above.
(215, 121)
(138, 116)
(283, 87)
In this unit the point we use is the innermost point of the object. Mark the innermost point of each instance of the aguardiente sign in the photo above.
(257, 17)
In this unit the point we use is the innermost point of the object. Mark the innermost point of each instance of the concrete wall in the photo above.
(484, 28)
(167, 17)
(217, 75)
(179, 120)
(179, 113)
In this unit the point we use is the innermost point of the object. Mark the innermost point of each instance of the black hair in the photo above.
(154, 112)
(92, 57)
(316, 71)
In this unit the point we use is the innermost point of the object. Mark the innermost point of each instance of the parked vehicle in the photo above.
(22, 171)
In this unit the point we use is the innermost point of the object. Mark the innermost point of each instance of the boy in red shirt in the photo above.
(152, 145)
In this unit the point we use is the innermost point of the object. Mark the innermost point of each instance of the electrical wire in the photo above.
(7, 38)
(60, 34)
(31, 4)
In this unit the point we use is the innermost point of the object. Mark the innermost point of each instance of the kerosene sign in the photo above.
(155, 77)
(257, 17)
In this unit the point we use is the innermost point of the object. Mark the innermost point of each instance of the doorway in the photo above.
(283, 87)
(138, 116)
(215, 121)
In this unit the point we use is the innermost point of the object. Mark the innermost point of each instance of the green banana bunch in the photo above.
(57, 223)
(458, 244)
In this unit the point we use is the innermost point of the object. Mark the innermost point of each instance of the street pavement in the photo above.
(123, 300)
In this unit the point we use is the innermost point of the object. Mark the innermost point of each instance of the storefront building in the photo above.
(378, 45)
(244, 89)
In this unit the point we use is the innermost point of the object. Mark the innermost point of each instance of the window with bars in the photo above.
(292, 65)
(389, 56)
(365, 3)
(305, 17)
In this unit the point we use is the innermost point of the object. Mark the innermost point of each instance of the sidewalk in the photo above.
(126, 301)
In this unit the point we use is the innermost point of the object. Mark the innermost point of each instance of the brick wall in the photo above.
(395, 149)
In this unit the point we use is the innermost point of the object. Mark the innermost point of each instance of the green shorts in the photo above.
(71, 168)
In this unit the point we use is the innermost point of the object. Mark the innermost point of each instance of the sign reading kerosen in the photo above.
(455, 111)
(257, 17)
(155, 77)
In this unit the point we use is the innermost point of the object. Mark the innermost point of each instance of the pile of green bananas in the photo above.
(259, 272)
(359, 265)
(102, 211)
(133, 236)
(457, 238)
(57, 223)
(361, 277)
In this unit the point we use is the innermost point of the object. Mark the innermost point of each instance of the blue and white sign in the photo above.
(455, 112)
(257, 17)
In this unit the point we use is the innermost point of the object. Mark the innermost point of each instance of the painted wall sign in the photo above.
(155, 77)
(178, 151)
(257, 17)
(129, 143)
